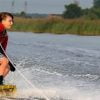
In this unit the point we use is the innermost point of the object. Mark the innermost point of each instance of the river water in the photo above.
(55, 67)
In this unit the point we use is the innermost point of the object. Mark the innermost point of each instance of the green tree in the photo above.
(72, 11)
(96, 3)
(90, 13)
(23, 13)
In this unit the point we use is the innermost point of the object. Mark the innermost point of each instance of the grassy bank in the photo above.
(58, 26)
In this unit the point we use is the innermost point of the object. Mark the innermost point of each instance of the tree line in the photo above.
(75, 11)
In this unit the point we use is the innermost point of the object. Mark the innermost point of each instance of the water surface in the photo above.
(59, 67)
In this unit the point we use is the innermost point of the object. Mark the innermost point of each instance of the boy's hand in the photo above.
(12, 68)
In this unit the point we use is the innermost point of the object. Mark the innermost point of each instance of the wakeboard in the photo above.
(7, 90)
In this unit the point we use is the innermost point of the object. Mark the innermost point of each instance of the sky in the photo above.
(40, 6)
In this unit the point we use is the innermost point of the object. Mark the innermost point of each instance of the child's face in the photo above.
(7, 22)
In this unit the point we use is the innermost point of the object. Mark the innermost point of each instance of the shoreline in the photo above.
(57, 25)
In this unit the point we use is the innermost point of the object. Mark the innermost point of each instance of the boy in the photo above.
(6, 22)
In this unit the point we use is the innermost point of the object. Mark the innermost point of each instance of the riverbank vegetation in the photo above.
(58, 25)
(74, 20)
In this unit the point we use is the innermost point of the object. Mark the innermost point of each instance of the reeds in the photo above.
(58, 25)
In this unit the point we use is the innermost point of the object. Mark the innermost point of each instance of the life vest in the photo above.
(3, 36)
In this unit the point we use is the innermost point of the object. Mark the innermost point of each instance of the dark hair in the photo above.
(3, 15)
